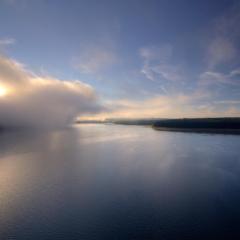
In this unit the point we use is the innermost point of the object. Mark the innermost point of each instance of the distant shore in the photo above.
(226, 125)
(200, 125)
(199, 130)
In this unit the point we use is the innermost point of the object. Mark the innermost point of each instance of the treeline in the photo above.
(88, 121)
(218, 125)
(124, 121)
(199, 123)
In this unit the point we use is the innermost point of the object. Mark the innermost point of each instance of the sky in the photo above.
(128, 58)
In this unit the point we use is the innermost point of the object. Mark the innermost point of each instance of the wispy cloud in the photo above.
(221, 50)
(157, 64)
(177, 105)
(153, 53)
(224, 38)
(7, 41)
(235, 73)
(232, 102)
(213, 78)
(95, 59)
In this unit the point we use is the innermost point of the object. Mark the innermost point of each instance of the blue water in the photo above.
(118, 182)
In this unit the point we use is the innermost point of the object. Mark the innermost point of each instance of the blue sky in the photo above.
(139, 56)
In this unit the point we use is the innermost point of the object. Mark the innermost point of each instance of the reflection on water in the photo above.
(118, 182)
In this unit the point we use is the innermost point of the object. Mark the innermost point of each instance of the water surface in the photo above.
(118, 182)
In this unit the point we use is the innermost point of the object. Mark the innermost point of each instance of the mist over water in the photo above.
(32, 101)
(118, 182)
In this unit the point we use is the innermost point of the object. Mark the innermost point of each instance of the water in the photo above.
(118, 182)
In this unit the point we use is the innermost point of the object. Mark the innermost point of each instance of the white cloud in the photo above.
(7, 41)
(232, 102)
(211, 78)
(235, 73)
(178, 105)
(168, 72)
(156, 64)
(30, 100)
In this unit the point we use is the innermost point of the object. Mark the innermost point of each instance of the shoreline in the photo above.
(199, 130)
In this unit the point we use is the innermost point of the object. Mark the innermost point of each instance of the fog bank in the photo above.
(34, 101)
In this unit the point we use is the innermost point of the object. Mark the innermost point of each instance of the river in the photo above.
(96, 181)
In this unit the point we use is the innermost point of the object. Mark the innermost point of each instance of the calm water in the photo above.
(119, 182)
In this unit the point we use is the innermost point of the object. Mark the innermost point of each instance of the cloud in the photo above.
(213, 78)
(221, 50)
(7, 41)
(94, 60)
(224, 40)
(235, 73)
(233, 102)
(30, 100)
(210, 77)
(156, 64)
(152, 53)
(161, 71)
(178, 105)
(166, 71)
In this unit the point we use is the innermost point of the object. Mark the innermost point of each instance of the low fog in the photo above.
(30, 100)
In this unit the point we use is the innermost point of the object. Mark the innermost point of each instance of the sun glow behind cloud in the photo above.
(40, 101)
(3, 91)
